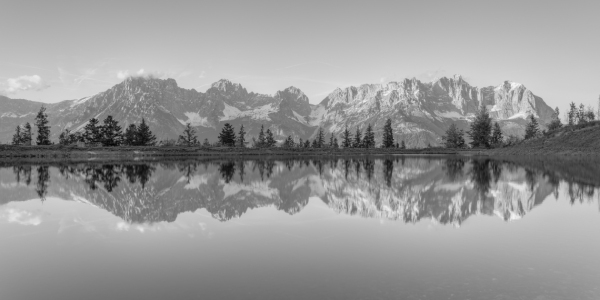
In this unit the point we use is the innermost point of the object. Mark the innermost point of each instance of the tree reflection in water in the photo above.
(388, 187)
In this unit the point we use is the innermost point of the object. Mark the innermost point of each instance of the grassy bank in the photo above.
(578, 140)
(9, 152)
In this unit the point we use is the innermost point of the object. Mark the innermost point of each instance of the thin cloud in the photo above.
(24, 83)
(122, 74)
(202, 75)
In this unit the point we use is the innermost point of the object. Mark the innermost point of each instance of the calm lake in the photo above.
(388, 227)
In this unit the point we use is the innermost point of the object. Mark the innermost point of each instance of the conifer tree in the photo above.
(320, 138)
(331, 140)
(111, 132)
(572, 114)
(555, 123)
(241, 138)
(403, 145)
(369, 139)
(532, 128)
(205, 143)
(300, 143)
(227, 136)
(41, 122)
(315, 143)
(270, 140)
(481, 129)
(289, 142)
(357, 138)
(144, 136)
(92, 131)
(188, 137)
(454, 137)
(497, 136)
(388, 134)
(130, 136)
(262, 142)
(16, 140)
(335, 143)
(26, 134)
(581, 115)
(307, 144)
(346, 139)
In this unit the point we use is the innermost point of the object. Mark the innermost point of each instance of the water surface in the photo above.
(312, 228)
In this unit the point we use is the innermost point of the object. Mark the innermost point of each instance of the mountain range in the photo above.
(420, 111)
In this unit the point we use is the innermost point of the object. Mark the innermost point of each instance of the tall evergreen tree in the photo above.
(454, 137)
(497, 136)
(315, 143)
(112, 134)
(320, 138)
(262, 142)
(388, 134)
(144, 136)
(26, 134)
(555, 123)
(16, 140)
(346, 139)
(402, 145)
(289, 142)
(581, 115)
(241, 138)
(335, 143)
(188, 137)
(41, 122)
(227, 136)
(532, 128)
(300, 143)
(92, 131)
(589, 114)
(130, 136)
(205, 143)
(357, 138)
(269, 139)
(369, 139)
(572, 114)
(481, 129)
(331, 137)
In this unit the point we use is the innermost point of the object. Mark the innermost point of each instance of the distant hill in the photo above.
(420, 111)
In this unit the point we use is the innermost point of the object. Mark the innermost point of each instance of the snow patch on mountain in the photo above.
(80, 101)
(316, 115)
(195, 120)
(259, 113)
(229, 112)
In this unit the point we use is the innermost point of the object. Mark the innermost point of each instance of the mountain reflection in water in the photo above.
(445, 189)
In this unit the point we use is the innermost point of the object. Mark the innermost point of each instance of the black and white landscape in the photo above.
(421, 111)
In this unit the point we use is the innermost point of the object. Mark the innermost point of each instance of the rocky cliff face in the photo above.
(421, 112)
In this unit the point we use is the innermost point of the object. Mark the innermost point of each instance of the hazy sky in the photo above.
(58, 50)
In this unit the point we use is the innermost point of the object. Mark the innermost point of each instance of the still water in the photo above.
(311, 228)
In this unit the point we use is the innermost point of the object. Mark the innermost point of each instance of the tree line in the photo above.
(484, 134)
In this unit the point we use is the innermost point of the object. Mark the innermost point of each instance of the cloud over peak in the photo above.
(24, 83)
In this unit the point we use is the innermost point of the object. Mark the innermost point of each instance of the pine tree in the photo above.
(403, 145)
(331, 140)
(589, 114)
(532, 128)
(335, 143)
(315, 143)
(205, 143)
(481, 129)
(227, 136)
(555, 123)
(188, 137)
(300, 143)
(388, 134)
(26, 134)
(41, 122)
(92, 131)
(454, 137)
(357, 138)
(144, 136)
(307, 144)
(16, 140)
(497, 136)
(289, 142)
(572, 114)
(581, 115)
(346, 140)
(130, 136)
(369, 139)
(111, 132)
(320, 138)
(270, 140)
(262, 142)
(241, 139)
